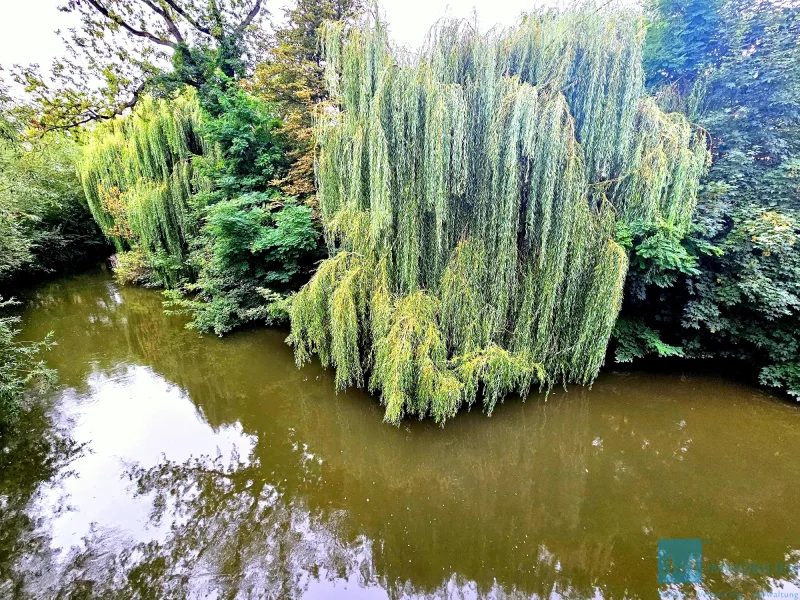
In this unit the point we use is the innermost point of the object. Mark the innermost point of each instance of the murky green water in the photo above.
(203, 467)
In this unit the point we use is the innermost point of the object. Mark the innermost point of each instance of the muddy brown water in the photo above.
(200, 467)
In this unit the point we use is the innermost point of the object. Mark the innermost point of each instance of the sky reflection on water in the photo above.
(214, 468)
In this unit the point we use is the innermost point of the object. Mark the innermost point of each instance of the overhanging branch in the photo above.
(92, 115)
(115, 18)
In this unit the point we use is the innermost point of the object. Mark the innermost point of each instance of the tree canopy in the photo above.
(740, 79)
(470, 199)
(124, 48)
(292, 78)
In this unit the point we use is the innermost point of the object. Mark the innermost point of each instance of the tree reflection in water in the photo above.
(233, 535)
(565, 498)
(230, 535)
(234, 527)
(34, 451)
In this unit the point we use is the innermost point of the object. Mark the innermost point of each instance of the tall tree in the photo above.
(292, 77)
(470, 197)
(122, 48)
(139, 173)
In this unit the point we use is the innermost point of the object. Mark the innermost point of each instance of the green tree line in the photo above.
(730, 289)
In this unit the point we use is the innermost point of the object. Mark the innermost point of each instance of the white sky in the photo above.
(27, 27)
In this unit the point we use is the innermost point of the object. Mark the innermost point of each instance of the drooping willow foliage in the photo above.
(138, 174)
(470, 197)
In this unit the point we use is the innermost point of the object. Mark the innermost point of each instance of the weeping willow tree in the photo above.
(470, 196)
(138, 174)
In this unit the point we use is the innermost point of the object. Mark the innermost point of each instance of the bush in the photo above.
(20, 365)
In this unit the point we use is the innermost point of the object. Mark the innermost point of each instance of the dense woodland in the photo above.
(496, 213)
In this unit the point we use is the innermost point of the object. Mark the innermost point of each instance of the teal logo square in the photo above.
(680, 560)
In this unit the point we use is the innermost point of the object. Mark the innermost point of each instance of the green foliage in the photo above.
(469, 198)
(784, 375)
(634, 339)
(234, 226)
(291, 77)
(251, 237)
(743, 85)
(500, 371)
(20, 365)
(248, 244)
(251, 152)
(185, 184)
(684, 38)
(45, 226)
(132, 267)
(746, 303)
(138, 173)
(15, 246)
(660, 254)
(287, 242)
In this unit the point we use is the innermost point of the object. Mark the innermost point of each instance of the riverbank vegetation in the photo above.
(21, 366)
(470, 198)
(485, 208)
(45, 226)
(734, 68)
(46, 229)
(207, 193)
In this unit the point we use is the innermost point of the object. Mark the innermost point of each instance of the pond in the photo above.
(189, 466)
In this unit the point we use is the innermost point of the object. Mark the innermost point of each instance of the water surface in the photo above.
(193, 466)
